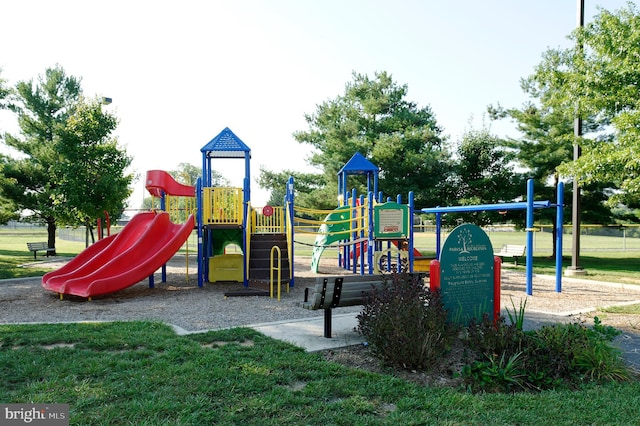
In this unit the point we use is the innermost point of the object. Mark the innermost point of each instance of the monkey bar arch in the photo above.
(530, 205)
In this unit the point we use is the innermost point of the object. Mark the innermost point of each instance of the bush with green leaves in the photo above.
(508, 359)
(406, 324)
(496, 373)
(575, 353)
(487, 337)
(407, 327)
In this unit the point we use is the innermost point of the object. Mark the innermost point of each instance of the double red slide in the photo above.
(146, 243)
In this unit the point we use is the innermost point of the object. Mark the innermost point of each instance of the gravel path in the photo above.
(178, 301)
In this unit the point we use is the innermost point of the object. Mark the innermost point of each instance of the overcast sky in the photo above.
(181, 71)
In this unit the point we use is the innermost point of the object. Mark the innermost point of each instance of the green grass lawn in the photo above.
(142, 373)
(14, 253)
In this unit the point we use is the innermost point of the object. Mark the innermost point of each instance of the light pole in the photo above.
(575, 268)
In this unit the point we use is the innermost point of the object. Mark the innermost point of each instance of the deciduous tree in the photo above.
(484, 173)
(68, 166)
(600, 78)
(90, 175)
(42, 107)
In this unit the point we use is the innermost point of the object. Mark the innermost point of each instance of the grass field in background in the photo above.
(74, 240)
(605, 258)
(425, 242)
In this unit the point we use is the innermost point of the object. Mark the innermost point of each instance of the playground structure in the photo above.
(221, 217)
(530, 205)
(373, 235)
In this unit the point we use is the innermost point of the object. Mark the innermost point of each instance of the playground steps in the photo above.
(260, 257)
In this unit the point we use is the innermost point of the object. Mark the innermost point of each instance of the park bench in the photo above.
(339, 291)
(40, 246)
(512, 250)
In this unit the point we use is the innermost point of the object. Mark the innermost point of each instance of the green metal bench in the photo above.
(40, 246)
(512, 250)
(339, 291)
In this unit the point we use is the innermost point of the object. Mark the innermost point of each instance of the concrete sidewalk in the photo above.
(308, 333)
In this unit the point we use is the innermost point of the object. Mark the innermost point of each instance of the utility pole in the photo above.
(575, 268)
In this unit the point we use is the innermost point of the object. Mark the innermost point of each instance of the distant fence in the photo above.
(78, 234)
(592, 237)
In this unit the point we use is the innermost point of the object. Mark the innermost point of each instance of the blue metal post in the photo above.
(375, 182)
(438, 236)
(362, 244)
(163, 268)
(245, 232)
(288, 204)
(559, 235)
(354, 235)
(529, 226)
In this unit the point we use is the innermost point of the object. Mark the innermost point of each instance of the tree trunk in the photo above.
(88, 233)
(51, 234)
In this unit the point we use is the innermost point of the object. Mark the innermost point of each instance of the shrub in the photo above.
(575, 353)
(499, 354)
(508, 359)
(406, 324)
(487, 337)
(407, 327)
(496, 374)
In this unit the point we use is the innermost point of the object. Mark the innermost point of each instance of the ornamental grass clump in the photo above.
(406, 324)
(554, 356)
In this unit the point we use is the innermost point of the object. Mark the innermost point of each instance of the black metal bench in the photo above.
(512, 250)
(40, 246)
(339, 291)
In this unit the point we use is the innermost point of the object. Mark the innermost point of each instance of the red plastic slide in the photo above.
(159, 181)
(147, 242)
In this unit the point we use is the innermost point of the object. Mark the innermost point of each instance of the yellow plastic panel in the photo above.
(226, 267)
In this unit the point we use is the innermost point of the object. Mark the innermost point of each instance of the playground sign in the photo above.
(467, 274)
(391, 220)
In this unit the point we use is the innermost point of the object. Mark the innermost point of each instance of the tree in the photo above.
(484, 174)
(546, 141)
(374, 118)
(90, 172)
(311, 189)
(67, 167)
(7, 208)
(599, 78)
(188, 174)
(43, 108)
(5, 91)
